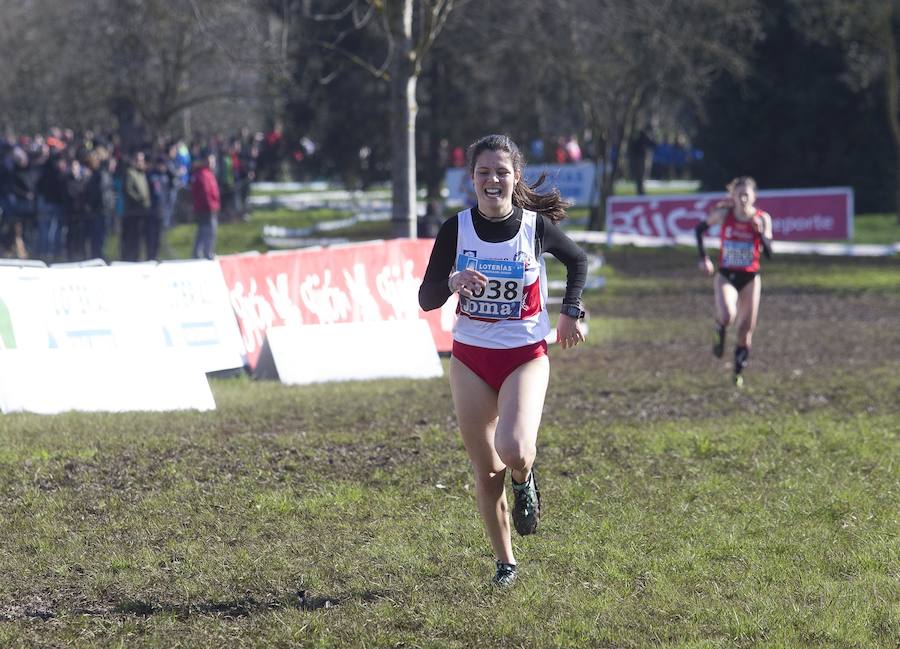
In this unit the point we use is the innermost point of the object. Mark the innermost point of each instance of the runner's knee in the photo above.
(516, 454)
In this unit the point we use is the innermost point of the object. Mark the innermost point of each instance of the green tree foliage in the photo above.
(794, 121)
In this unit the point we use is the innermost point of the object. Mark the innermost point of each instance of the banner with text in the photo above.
(576, 182)
(371, 281)
(180, 306)
(797, 214)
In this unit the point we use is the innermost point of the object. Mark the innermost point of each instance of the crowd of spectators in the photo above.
(62, 194)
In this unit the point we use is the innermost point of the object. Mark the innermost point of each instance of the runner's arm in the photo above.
(702, 227)
(570, 254)
(715, 217)
(766, 235)
(434, 290)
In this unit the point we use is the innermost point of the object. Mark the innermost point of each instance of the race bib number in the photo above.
(737, 254)
(502, 296)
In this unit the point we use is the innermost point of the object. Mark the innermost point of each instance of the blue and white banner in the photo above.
(576, 182)
(181, 306)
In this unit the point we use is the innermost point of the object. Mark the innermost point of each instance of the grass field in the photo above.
(678, 511)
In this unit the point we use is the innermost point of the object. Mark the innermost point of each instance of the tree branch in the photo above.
(380, 73)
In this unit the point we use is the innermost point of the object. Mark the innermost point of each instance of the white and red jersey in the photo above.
(739, 248)
(511, 311)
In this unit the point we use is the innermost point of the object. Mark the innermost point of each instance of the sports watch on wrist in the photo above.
(572, 310)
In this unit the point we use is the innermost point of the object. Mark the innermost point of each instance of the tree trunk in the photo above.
(434, 165)
(131, 132)
(892, 95)
(597, 211)
(403, 126)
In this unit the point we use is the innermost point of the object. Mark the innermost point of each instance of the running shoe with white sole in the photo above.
(526, 511)
(506, 575)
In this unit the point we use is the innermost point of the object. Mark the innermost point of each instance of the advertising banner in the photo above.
(365, 282)
(196, 313)
(797, 214)
(575, 182)
(170, 306)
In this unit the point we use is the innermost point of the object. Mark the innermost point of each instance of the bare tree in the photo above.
(408, 29)
(39, 48)
(144, 61)
(621, 57)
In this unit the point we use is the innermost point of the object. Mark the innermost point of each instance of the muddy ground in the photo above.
(816, 350)
(813, 347)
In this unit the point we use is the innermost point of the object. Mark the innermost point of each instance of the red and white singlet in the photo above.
(511, 310)
(739, 244)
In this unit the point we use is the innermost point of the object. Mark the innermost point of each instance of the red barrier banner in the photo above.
(797, 214)
(372, 281)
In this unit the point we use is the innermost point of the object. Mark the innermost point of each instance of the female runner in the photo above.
(745, 230)
(499, 369)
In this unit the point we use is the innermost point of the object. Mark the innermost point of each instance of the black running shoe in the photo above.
(741, 360)
(526, 511)
(506, 575)
(718, 341)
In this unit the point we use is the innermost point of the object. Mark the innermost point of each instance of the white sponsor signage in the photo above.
(113, 380)
(197, 315)
(576, 182)
(345, 351)
(170, 306)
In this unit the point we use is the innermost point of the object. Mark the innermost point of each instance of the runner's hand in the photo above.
(706, 265)
(466, 282)
(568, 331)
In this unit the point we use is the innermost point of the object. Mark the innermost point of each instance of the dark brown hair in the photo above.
(551, 204)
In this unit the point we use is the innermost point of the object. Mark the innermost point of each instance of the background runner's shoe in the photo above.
(526, 512)
(718, 342)
(506, 575)
(739, 380)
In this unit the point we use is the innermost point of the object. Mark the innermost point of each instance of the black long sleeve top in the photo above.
(434, 290)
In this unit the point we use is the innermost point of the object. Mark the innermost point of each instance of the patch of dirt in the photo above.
(805, 343)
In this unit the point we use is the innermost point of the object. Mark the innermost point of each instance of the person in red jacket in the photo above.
(205, 192)
(745, 230)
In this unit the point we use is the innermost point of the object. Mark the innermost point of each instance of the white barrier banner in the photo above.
(306, 354)
(197, 314)
(47, 381)
(178, 306)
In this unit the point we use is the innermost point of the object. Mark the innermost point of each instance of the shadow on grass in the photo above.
(228, 609)
(303, 600)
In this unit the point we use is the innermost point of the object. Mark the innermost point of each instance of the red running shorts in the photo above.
(493, 365)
